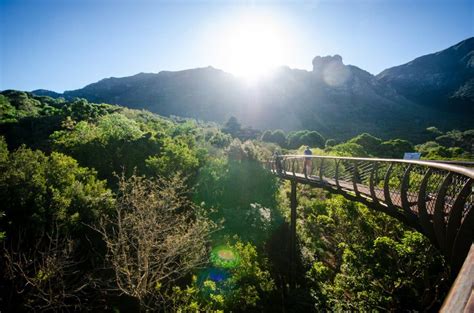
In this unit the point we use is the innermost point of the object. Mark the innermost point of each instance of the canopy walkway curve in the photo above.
(435, 198)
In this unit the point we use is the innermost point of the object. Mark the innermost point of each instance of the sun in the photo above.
(254, 46)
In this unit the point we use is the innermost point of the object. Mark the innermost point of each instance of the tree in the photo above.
(220, 140)
(117, 139)
(395, 148)
(48, 249)
(8, 113)
(348, 149)
(3, 167)
(248, 133)
(175, 156)
(155, 237)
(40, 189)
(450, 139)
(312, 139)
(49, 276)
(232, 126)
(240, 191)
(267, 136)
(278, 137)
(434, 131)
(369, 143)
(330, 143)
(305, 137)
(294, 139)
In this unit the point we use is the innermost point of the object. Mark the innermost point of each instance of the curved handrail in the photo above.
(442, 165)
(435, 198)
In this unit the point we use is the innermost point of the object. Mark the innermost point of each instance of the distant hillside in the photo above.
(48, 93)
(338, 100)
(444, 80)
(203, 93)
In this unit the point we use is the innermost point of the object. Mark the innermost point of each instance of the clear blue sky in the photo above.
(66, 44)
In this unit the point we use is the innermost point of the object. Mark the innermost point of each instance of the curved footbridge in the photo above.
(434, 197)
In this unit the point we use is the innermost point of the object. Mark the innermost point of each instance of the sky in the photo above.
(66, 44)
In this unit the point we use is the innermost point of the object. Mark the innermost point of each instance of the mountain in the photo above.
(444, 79)
(338, 100)
(203, 93)
(48, 93)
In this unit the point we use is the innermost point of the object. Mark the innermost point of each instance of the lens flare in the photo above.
(216, 275)
(213, 281)
(224, 257)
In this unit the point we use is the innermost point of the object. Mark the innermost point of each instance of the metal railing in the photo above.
(434, 197)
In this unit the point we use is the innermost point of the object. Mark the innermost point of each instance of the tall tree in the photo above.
(232, 126)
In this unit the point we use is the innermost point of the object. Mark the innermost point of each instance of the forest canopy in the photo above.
(108, 208)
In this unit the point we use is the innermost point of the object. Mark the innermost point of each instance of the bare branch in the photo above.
(154, 237)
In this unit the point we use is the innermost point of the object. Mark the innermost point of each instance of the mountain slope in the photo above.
(443, 79)
(47, 93)
(338, 100)
(197, 93)
(333, 98)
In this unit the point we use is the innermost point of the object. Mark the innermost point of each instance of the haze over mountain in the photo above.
(335, 99)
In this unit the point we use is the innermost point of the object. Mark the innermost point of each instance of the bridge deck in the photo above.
(362, 189)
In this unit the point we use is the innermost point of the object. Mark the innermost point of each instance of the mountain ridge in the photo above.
(336, 99)
(438, 77)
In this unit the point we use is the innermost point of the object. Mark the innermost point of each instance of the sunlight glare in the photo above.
(253, 47)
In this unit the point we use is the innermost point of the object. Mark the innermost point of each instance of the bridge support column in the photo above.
(293, 204)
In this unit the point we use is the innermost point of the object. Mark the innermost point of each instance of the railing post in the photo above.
(372, 182)
(439, 223)
(321, 170)
(278, 165)
(355, 178)
(386, 186)
(404, 188)
(293, 204)
(423, 216)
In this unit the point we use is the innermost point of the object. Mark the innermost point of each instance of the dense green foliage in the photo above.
(454, 145)
(106, 208)
(62, 220)
(241, 192)
(233, 128)
(451, 145)
(243, 287)
(362, 260)
(294, 139)
(277, 136)
(40, 189)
